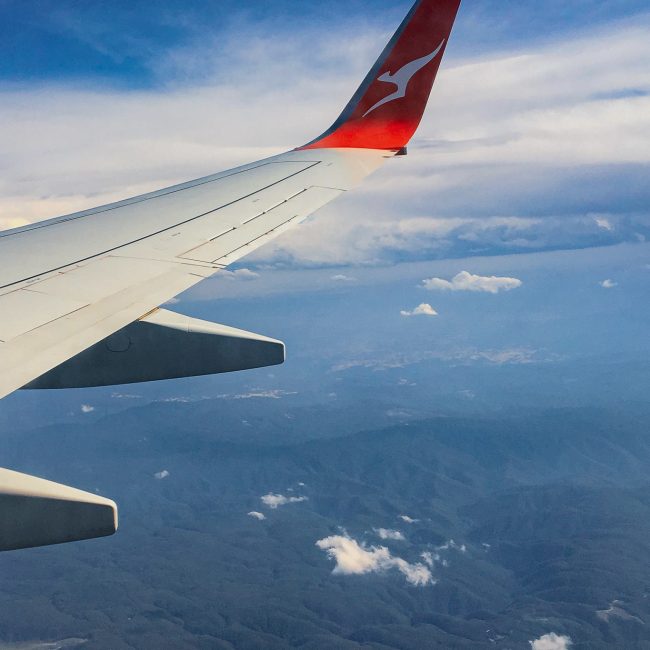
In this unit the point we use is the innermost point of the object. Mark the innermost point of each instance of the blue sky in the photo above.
(119, 42)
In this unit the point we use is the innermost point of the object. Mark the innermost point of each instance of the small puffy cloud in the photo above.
(603, 223)
(551, 641)
(239, 274)
(417, 575)
(430, 558)
(421, 310)
(353, 558)
(274, 501)
(608, 284)
(160, 476)
(257, 515)
(452, 545)
(385, 533)
(87, 408)
(342, 278)
(465, 281)
(408, 520)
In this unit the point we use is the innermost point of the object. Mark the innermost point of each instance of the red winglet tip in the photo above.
(387, 108)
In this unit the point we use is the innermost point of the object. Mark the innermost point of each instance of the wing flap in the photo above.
(264, 224)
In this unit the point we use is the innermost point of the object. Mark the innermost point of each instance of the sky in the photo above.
(530, 166)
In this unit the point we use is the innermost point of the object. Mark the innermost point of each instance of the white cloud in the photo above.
(87, 408)
(430, 558)
(239, 274)
(257, 515)
(451, 544)
(385, 533)
(551, 641)
(353, 558)
(608, 284)
(421, 310)
(465, 281)
(342, 278)
(408, 520)
(274, 501)
(482, 139)
(604, 223)
(160, 476)
(554, 106)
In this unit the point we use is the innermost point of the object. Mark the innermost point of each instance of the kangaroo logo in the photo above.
(402, 78)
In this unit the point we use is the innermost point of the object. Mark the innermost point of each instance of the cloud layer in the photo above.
(540, 146)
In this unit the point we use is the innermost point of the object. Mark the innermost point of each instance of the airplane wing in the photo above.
(69, 283)
(80, 295)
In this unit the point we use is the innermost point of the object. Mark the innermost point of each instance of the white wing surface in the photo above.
(67, 283)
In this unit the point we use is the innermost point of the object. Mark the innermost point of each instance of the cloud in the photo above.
(385, 533)
(604, 223)
(353, 558)
(342, 278)
(465, 281)
(451, 544)
(239, 274)
(421, 310)
(495, 169)
(430, 558)
(87, 408)
(408, 520)
(160, 476)
(274, 501)
(608, 284)
(551, 641)
(257, 515)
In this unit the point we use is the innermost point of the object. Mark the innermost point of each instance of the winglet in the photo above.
(387, 108)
